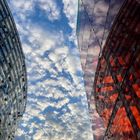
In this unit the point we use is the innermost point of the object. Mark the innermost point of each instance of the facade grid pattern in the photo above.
(113, 91)
(117, 78)
(13, 77)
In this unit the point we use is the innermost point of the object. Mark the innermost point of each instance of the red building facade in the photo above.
(109, 44)
(117, 79)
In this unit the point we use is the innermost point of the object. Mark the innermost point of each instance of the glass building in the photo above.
(109, 42)
(13, 79)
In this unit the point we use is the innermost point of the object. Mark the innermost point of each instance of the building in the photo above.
(13, 81)
(108, 31)
(117, 79)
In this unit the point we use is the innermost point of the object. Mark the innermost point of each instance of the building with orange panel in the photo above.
(117, 79)
(109, 43)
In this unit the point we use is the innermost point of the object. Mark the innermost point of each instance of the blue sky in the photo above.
(57, 105)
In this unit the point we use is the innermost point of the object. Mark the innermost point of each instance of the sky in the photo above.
(56, 105)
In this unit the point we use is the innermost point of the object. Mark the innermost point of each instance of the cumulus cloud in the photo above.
(25, 8)
(56, 107)
(50, 8)
(70, 10)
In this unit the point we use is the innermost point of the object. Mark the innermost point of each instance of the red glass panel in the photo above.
(136, 88)
(136, 114)
(108, 79)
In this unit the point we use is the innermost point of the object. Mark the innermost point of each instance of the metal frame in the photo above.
(13, 76)
(122, 43)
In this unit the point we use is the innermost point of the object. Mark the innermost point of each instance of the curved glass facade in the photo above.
(108, 31)
(13, 78)
(117, 80)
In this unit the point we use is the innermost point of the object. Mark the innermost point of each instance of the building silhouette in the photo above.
(109, 43)
(13, 81)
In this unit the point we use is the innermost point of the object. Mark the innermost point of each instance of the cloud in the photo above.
(52, 86)
(56, 107)
(25, 8)
(70, 10)
(51, 9)
(24, 5)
